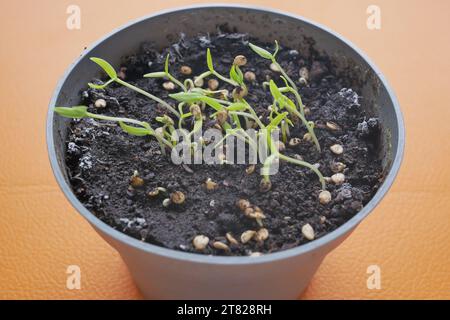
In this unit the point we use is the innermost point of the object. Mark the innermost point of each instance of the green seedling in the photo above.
(130, 126)
(166, 74)
(114, 78)
(194, 104)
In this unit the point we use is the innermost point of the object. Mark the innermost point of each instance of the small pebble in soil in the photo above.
(324, 197)
(240, 61)
(213, 84)
(100, 103)
(248, 235)
(232, 240)
(221, 246)
(169, 85)
(308, 231)
(337, 149)
(211, 185)
(338, 178)
(200, 242)
(274, 67)
(177, 197)
(186, 70)
(307, 111)
(249, 76)
(294, 142)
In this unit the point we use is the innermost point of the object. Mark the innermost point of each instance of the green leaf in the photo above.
(212, 103)
(136, 131)
(275, 91)
(261, 52)
(106, 67)
(166, 64)
(209, 60)
(77, 112)
(100, 86)
(191, 97)
(276, 121)
(188, 97)
(155, 75)
(237, 106)
(236, 75)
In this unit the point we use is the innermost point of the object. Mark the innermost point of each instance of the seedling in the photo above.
(195, 104)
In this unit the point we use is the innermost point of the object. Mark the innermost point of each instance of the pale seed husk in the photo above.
(240, 60)
(333, 126)
(169, 86)
(100, 103)
(250, 169)
(221, 246)
(243, 204)
(308, 232)
(294, 142)
(256, 254)
(247, 236)
(250, 76)
(337, 149)
(274, 67)
(307, 137)
(213, 84)
(262, 234)
(186, 70)
(136, 182)
(200, 242)
(338, 178)
(324, 197)
(177, 197)
(337, 167)
(211, 185)
(231, 239)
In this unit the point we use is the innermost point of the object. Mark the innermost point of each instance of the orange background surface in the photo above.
(408, 235)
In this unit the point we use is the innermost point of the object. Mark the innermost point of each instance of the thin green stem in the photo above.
(149, 95)
(305, 122)
(307, 165)
(175, 80)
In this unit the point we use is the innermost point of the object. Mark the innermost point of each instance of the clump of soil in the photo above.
(101, 158)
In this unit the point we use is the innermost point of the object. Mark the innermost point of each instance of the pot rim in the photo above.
(220, 260)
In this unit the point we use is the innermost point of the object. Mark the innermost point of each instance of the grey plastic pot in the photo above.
(168, 274)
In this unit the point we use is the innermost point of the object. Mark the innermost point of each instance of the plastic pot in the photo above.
(168, 274)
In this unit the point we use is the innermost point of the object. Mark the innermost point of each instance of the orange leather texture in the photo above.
(407, 236)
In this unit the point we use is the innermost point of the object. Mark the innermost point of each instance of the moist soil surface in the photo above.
(101, 158)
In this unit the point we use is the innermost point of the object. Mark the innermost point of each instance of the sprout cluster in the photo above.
(231, 114)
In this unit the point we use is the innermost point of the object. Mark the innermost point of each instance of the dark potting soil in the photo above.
(101, 158)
